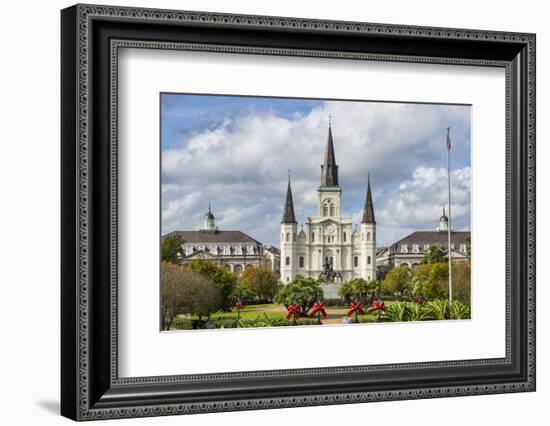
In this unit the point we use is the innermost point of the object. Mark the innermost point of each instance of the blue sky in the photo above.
(235, 152)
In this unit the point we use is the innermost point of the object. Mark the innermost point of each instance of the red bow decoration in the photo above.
(318, 307)
(355, 307)
(419, 301)
(293, 310)
(239, 305)
(377, 306)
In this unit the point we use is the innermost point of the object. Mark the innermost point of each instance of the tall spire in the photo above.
(368, 212)
(329, 169)
(288, 212)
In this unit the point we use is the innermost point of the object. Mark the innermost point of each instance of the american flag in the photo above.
(448, 138)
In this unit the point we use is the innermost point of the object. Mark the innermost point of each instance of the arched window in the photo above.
(238, 269)
(368, 236)
(325, 210)
(331, 260)
(287, 237)
(368, 260)
(355, 261)
(332, 209)
(287, 261)
(326, 259)
(301, 261)
(313, 237)
(344, 237)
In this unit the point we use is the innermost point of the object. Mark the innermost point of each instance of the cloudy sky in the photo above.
(235, 153)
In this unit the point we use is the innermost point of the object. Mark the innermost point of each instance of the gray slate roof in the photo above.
(208, 237)
(288, 212)
(368, 211)
(432, 237)
(329, 169)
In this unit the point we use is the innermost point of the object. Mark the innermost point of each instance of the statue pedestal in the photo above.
(330, 290)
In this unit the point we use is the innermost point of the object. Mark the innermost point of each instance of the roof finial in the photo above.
(209, 210)
(443, 210)
(329, 120)
(448, 138)
(289, 175)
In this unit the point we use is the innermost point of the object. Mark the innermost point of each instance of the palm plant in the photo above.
(460, 310)
(439, 309)
(396, 312)
(418, 313)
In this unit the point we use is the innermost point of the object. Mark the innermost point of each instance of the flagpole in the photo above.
(449, 250)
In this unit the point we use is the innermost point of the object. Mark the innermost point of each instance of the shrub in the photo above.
(439, 309)
(459, 310)
(418, 313)
(225, 280)
(304, 291)
(396, 312)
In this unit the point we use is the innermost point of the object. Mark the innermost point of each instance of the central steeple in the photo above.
(329, 169)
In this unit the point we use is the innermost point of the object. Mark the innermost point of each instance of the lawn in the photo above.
(335, 314)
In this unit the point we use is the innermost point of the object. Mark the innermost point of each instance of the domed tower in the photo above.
(443, 222)
(208, 223)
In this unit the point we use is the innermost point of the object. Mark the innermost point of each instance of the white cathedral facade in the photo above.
(328, 240)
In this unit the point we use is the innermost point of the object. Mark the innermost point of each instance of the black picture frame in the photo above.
(90, 386)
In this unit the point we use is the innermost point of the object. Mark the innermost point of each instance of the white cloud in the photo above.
(241, 166)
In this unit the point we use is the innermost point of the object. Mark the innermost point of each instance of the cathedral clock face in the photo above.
(330, 228)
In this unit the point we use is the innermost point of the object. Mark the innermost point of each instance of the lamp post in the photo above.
(449, 251)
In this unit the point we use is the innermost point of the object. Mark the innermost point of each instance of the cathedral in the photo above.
(328, 247)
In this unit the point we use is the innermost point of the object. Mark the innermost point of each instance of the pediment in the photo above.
(201, 254)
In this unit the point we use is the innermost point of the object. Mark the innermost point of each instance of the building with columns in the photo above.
(328, 241)
(235, 250)
(411, 249)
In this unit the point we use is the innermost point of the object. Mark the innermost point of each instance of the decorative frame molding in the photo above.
(91, 37)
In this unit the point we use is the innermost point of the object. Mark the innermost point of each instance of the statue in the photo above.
(329, 274)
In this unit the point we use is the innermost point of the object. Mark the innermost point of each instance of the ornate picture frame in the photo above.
(90, 38)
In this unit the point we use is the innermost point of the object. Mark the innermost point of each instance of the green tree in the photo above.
(304, 291)
(347, 291)
(225, 280)
(397, 281)
(462, 272)
(261, 281)
(437, 284)
(186, 292)
(172, 248)
(468, 239)
(434, 254)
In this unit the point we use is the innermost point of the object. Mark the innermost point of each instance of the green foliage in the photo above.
(434, 278)
(397, 281)
(171, 249)
(260, 281)
(244, 293)
(459, 310)
(434, 254)
(186, 292)
(468, 239)
(462, 272)
(439, 309)
(225, 280)
(418, 313)
(396, 312)
(361, 287)
(304, 291)
(418, 284)
(347, 291)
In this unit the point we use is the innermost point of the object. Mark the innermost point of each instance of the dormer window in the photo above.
(415, 248)
(404, 248)
(463, 248)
